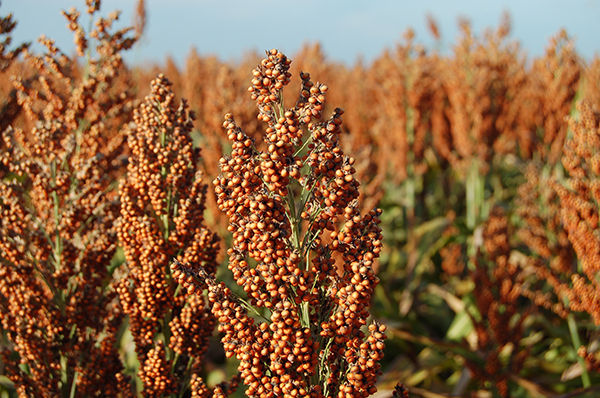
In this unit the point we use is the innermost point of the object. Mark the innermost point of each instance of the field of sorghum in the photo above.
(438, 237)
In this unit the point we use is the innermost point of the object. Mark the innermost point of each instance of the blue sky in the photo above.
(346, 29)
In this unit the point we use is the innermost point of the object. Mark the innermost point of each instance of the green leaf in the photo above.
(461, 327)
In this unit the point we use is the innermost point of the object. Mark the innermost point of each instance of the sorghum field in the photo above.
(424, 225)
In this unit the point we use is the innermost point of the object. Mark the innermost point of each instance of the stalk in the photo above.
(585, 376)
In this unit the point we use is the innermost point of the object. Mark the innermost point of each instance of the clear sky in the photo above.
(346, 29)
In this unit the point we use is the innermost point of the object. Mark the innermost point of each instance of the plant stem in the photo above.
(73, 386)
(585, 377)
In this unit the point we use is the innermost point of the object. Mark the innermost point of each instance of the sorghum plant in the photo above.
(352, 88)
(481, 79)
(556, 80)
(579, 209)
(301, 251)
(499, 324)
(58, 312)
(549, 264)
(162, 205)
(407, 85)
(550, 259)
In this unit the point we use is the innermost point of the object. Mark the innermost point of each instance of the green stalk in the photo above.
(304, 312)
(58, 241)
(304, 144)
(73, 386)
(410, 180)
(251, 308)
(585, 377)
(474, 194)
(295, 219)
(57, 247)
(165, 216)
(324, 375)
(175, 359)
(280, 103)
(67, 391)
(187, 376)
(58, 295)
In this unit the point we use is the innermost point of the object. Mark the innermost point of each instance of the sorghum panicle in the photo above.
(57, 234)
(498, 286)
(556, 79)
(579, 210)
(293, 210)
(479, 80)
(550, 258)
(162, 205)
